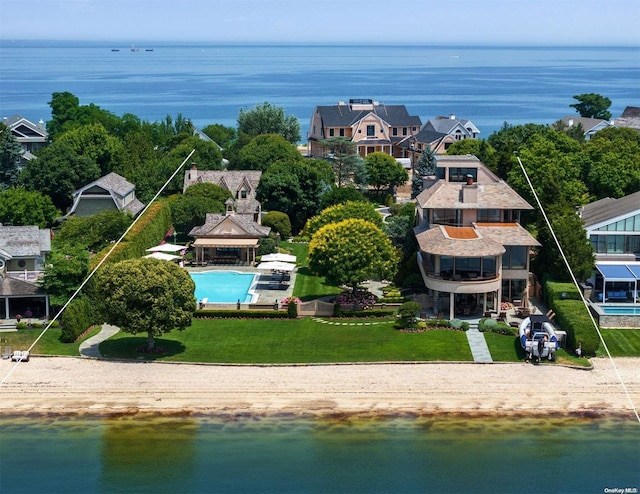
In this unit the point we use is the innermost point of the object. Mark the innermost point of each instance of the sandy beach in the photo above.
(64, 385)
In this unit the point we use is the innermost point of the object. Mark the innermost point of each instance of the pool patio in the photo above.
(267, 295)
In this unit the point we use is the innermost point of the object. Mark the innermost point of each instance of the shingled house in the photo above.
(107, 193)
(372, 126)
(23, 251)
(473, 253)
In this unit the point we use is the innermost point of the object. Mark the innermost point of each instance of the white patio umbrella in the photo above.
(167, 248)
(279, 257)
(162, 256)
(276, 266)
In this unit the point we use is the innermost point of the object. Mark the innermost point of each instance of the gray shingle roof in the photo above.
(244, 222)
(344, 116)
(25, 241)
(13, 287)
(447, 195)
(609, 208)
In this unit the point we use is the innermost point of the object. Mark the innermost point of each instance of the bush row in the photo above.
(77, 317)
(150, 230)
(364, 313)
(240, 314)
(492, 326)
(572, 317)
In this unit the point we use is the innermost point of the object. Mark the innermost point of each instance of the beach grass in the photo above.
(295, 342)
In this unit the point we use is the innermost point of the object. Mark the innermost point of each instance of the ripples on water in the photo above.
(249, 454)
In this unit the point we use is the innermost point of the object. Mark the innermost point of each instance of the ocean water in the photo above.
(211, 83)
(284, 455)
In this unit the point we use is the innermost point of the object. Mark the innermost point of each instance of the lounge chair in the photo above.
(20, 356)
(6, 352)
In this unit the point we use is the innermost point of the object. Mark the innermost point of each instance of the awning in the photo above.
(619, 272)
(163, 256)
(167, 248)
(226, 242)
(276, 266)
(279, 257)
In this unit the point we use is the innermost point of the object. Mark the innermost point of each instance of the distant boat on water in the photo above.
(115, 49)
(148, 49)
(133, 48)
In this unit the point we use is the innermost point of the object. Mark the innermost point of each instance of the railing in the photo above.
(25, 275)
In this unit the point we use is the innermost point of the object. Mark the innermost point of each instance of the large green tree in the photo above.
(295, 188)
(348, 166)
(66, 269)
(59, 171)
(266, 149)
(93, 232)
(22, 207)
(426, 166)
(94, 142)
(190, 209)
(146, 296)
(352, 251)
(384, 171)
(592, 105)
(223, 136)
(339, 212)
(269, 119)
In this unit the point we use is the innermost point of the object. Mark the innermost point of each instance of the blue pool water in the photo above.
(619, 310)
(225, 286)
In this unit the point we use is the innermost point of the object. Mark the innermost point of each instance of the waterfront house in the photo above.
(23, 252)
(589, 125)
(372, 126)
(613, 228)
(107, 193)
(473, 253)
(630, 118)
(455, 127)
(31, 136)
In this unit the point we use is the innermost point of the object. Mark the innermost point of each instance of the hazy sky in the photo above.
(564, 22)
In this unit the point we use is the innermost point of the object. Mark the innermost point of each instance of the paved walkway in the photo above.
(89, 347)
(478, 345)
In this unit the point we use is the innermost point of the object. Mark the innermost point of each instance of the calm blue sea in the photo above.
(211, 83)
(252, 455)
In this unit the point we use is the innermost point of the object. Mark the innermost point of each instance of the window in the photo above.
(332, 132)
(243, 194)
(515, 257)
(371, 130)
(460, 174)
(341, 132)
(394, 131)
(404, 131)
(489, 216)
(513, 289)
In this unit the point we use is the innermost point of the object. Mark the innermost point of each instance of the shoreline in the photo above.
(75, 386)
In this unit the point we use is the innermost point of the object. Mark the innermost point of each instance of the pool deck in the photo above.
(266, 295)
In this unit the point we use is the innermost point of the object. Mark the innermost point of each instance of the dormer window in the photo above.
(371, 130)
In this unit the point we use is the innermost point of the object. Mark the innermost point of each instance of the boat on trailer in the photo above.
(538, 338)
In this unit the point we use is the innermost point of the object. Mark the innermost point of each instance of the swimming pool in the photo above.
(220, 287)
(620, 310)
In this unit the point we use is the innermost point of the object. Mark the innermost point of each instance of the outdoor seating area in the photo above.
(279, 280)
(20, 356)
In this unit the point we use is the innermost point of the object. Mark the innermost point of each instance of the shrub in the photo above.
(78, 316)
(360, 299)
(493, 326)
(279, 223)
(572, 317)
(408, 313)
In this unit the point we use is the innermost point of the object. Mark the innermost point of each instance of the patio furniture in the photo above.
(20, 356)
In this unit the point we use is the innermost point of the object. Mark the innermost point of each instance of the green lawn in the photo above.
(295, 341)
(307, 286)
(620, 342)
(49, 344)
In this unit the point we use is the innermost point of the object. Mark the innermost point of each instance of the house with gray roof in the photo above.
(23, 252)
(372, 126)
(107, 193)
(629, 118)
(473, 253)
(229, 238)
(589, 125)
(30, 135)
(242, 184)
(458, 128)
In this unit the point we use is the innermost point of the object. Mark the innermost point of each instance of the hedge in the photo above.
(240, 314)
(572, 317)
(79, 315)
(150, 230)
(492, 326)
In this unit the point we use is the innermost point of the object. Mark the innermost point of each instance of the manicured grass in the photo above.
(620, 342)
(504, 348)
(49, 344)
(295, 341)
(307, 286)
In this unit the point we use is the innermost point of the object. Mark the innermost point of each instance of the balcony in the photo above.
(459, 281)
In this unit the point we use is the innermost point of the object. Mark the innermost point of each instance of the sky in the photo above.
(461, 22)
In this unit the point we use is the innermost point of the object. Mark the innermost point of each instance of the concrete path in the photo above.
(89, 347)
(478, 345)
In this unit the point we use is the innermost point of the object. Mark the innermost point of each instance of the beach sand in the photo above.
(66, 385)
